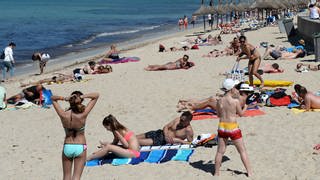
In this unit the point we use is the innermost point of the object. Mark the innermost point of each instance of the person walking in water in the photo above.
(227, 109)
(8, 61)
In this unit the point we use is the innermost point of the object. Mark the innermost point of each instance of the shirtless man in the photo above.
(174, 132)
(227, 108)
(310, 101)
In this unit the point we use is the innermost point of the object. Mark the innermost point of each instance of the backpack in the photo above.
(2, 55)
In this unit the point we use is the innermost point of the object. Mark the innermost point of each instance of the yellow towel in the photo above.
(297, 111)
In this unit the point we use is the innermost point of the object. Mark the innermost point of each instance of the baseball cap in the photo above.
(246, 87)
(228, 84)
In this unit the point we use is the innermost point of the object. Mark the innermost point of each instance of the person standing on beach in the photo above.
(185, 22)
(8, 61)
(180, 23)
(43, 58)
(193, 21)
(254, 59)
(73, 121)
(227, 109)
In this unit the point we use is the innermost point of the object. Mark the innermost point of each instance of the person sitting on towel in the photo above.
(31, 94)
(130, 145)
(310, 100)
(177, 131)
(112, 54)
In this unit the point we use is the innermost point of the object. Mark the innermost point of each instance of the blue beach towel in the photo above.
(153, 156)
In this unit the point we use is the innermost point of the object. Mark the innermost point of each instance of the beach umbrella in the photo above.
(203, 10)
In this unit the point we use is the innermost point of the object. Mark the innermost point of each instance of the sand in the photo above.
(279, 144)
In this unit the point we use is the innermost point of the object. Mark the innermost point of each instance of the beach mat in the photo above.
(297, 110)
(211, 114)
(121, 60)
(153, 156)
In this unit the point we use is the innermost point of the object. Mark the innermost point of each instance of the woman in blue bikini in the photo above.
(73, 120)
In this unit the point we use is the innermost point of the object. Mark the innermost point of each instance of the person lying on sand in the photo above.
(162, 48)
(309, 99)
(316, 149)
(244, 95)
(282, 54)
(181, 63)
(31, 94)
(301, 67)
(174, 132)
(60, 78)
(130, 145)
(90, 68)
(112, 54)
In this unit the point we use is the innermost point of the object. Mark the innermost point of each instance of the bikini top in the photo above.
(74, 131)
(128, 135)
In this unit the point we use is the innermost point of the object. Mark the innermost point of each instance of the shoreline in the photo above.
(78, 58)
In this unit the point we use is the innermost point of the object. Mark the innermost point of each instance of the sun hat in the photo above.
(228, 84)
(246, 87)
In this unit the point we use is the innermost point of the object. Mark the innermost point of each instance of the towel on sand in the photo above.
(153, 156)
(211, 114)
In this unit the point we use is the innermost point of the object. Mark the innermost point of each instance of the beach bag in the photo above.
(2, 55)
(236, 74)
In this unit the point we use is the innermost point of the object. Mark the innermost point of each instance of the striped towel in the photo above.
(153, 156)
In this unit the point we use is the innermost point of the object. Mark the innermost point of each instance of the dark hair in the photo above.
(238, 86)
(303, 91)
(161, 48)
(91, 63)
(260, 71)
(242, 37)
(114, 124)
(35, 57)
(297, 88)
(275, 65)
(76, 107)
(12, 44)
(186, 56)
(311, 5)
(188, 115)
(301, 54)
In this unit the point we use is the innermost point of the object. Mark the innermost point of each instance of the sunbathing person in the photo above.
(234, 48)
(271, 68)
(174, 132)
(87, 69)
(301, 67)
(112, 54)
(130, 145)
(60, 78)
(245, 97)
(181, 63)
(31, 94)
(310, 100)
(282, 54)
(215, 53)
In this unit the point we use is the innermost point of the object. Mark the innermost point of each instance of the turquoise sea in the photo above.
(63, 26)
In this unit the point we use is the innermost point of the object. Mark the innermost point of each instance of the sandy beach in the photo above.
(279, 143)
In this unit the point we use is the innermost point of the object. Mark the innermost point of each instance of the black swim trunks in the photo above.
(275, 54)
(157, 137)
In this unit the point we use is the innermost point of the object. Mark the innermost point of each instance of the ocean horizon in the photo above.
(61, 27)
